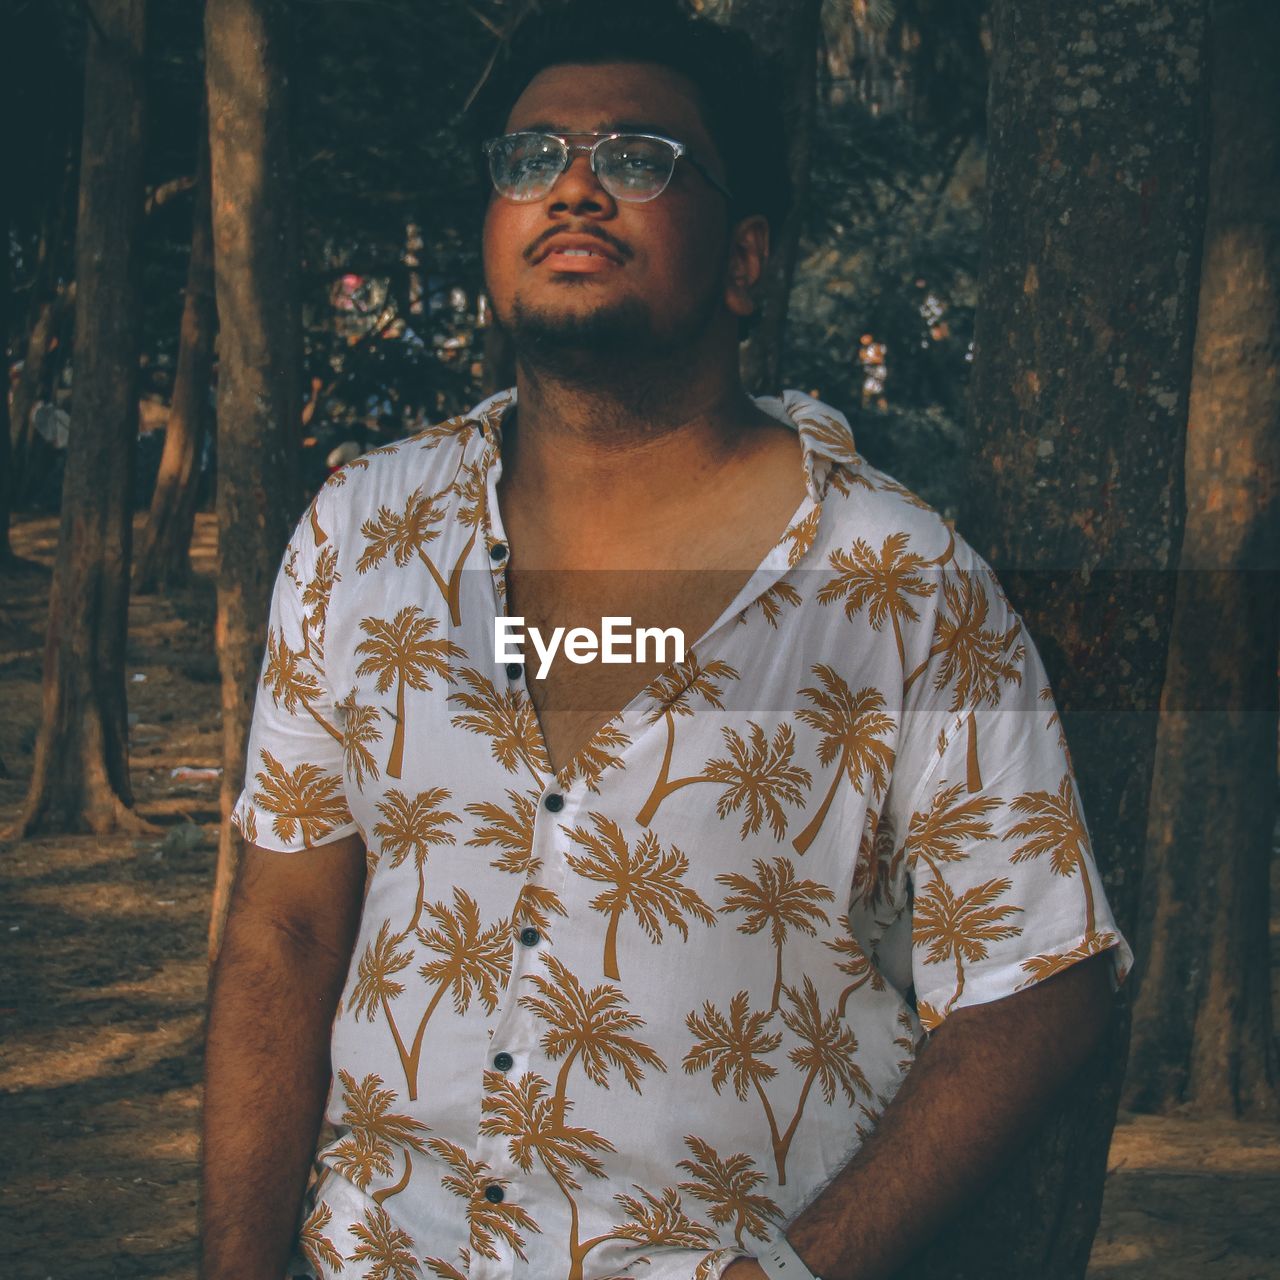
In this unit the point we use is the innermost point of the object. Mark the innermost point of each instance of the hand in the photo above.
(744, 1269)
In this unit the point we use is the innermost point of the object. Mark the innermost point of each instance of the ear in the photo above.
(748, 257)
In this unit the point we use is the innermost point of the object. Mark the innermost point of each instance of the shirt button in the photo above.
(503, 1061)
(514, 670)
(494, 1193)
(498, 551)
(553, 803)
(529, 936)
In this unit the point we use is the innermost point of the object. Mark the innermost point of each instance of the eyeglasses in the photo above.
(633, 167)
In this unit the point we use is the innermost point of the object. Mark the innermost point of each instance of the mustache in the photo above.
(618, 246)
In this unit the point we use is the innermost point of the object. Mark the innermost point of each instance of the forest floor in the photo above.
(102, 980)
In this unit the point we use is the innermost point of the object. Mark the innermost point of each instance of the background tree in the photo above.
(163, 550)
(80, 777)
(1095, 205)
(1202, 1029)
(787, 30)
(259, 378)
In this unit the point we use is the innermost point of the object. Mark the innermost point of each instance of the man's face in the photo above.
(656, 279)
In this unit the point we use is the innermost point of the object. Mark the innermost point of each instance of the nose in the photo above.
(578, 191)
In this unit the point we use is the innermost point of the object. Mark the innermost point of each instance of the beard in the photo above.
(604, 345)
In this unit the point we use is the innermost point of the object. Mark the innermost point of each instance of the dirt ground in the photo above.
(102, 990)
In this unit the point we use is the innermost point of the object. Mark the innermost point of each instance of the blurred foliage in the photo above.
(390, 203)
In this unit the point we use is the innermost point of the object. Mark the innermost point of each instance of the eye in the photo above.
(636, 166)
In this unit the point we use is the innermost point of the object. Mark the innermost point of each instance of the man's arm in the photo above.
(981, 1084)
(284, 957)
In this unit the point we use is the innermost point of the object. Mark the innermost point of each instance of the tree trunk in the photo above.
(256, 273)
(1082, 363)
(52, 294)
(1202, 1019)
(6, 460)
(788, 31)
(81, 773)
(163, 558)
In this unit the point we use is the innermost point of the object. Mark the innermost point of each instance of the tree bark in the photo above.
(1082, 362)
(256, 274)
(163, 558)
(1202, 1019)
(80, 779)
(788, 31)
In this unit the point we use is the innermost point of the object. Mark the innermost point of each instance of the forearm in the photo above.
(266, 1080)
(978, 1089)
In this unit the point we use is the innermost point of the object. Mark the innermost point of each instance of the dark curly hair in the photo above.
(737, 90)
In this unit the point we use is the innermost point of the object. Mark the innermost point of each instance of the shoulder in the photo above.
(413, 470)
(863, 504)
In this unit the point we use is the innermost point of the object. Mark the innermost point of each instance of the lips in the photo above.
(578, 249)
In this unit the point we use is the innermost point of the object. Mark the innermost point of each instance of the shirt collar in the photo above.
(826, 439)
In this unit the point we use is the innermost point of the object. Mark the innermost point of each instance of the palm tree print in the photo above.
(641, 879)
(319, 1249)
(782, 595)
(760, 777)
(728, 1187)
(951, 824)
(413, 827)
(976, 659)
(672, 694)
(603, 751)
(315, 597)
(776, 900)
(443, 1270)
(405, 534)
(507, 719)
(883, 584)
(305, 799)
(652, 1221)
(521, 1111)
(1055, 826)
(386, 1250)
(857, 964)
(1045, 966)
(290, 686)
(375, 1133)
(359, 731)
(802, 535)
(511, 830)
(377, 985)
(472, 961)
(400, 652)
(588, 1027)
(734, 1048)
(488, 1222)
(958, 928)
(853, 726)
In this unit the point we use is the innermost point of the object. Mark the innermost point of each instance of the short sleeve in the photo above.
(1005, 891)
(294, 795)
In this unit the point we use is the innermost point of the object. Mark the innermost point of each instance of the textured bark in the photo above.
(256, 273)
(788, 31)
(1096, 192)
(163, 558)
(80, 779)
(1202, 1018)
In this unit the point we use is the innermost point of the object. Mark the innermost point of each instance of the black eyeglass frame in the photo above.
(572, 149)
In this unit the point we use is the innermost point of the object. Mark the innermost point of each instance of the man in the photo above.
(706, 963)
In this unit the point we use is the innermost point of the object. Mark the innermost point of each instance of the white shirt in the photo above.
(627, 1020)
